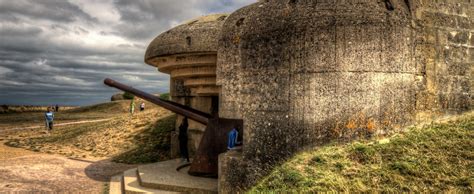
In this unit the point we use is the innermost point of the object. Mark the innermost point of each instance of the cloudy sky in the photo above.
(59, 51)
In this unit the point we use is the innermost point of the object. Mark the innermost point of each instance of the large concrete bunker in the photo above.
(300, 73)
(188, 53)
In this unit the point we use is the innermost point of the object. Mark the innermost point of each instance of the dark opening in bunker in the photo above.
(188, 41)
(389, 5)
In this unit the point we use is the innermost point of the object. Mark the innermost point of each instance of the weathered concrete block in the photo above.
(307, 74)
(459, 37)
(461, 69)
(470, 53)
(231, 166)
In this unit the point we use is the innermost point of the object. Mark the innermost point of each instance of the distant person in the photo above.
(57, 108)
(232, 138)
(183, 139)
(142, 106)
(49, 117)
(132, 107)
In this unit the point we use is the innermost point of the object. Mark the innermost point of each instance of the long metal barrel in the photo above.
(191, 113)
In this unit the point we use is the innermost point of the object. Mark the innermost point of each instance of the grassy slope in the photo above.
(434, 158)
(152, 145)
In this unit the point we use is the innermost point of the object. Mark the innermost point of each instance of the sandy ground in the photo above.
(49, 166)
(23, 170)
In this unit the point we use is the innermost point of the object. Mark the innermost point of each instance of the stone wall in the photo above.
(444, 53)
(305, 72)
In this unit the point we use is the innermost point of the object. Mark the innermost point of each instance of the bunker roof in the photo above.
(199, 35)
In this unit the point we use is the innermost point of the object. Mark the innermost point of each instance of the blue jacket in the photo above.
(49, 116)
(233, 135)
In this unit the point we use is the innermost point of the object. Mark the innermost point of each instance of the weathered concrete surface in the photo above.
(115, 185)
(227, 174)
(196, 36)
(131, 184)
(161, 177)
(188, 53)
(444, 56)
(164, 176)
(305, 72)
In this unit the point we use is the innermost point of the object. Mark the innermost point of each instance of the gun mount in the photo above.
(214, 139)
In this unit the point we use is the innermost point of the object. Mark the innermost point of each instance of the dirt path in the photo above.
(26, 171)
(59, 124)
(22, 170)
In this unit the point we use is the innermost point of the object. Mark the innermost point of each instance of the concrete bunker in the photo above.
(304, 72)
(188, 53)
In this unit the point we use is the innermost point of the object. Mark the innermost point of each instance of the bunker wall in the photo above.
(301, 73)
(444, 56)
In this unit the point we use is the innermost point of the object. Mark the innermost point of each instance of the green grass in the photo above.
(165, 96)
(152, 146)
(435, 158)
(128, 96)
(107, 108)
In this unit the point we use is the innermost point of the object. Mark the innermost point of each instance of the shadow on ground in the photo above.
(104, 169)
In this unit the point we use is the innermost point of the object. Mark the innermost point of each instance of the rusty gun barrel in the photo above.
(214, 139)
(191, 113)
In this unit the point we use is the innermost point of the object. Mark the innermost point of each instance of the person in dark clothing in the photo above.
(183, 139)
(57, 108)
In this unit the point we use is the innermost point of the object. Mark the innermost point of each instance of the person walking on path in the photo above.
(49, 117)
(183, 139)
(132, 107)
(142, 106)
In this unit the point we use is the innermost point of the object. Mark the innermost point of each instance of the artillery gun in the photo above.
(214, 140)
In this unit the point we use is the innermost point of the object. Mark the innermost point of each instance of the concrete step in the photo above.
(132, 184)
(115, 184)
(164, 176)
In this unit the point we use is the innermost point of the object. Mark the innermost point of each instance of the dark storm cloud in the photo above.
(51, 10)
(17, 31)
(56, 51)
(142, 19)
